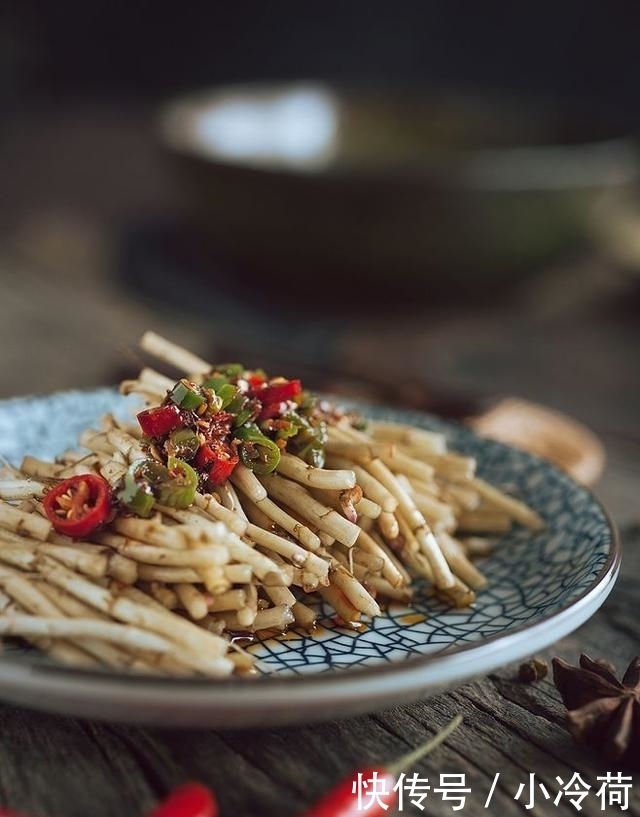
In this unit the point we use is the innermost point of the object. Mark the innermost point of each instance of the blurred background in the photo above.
(427, 203)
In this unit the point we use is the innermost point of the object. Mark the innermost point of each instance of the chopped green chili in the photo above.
(186, 396)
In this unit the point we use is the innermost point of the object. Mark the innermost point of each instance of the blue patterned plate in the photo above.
(541, 587)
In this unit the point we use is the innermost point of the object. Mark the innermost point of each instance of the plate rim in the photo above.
(216, 702)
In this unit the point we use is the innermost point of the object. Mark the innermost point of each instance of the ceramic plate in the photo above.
(541, 587)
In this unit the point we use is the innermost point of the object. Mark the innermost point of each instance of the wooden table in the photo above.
(58, 270)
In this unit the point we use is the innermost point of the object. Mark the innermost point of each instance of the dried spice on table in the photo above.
(535, 669)
(601, 710)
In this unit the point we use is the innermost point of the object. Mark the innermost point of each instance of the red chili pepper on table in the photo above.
(78, 505)
(370, 790)
(189, 800)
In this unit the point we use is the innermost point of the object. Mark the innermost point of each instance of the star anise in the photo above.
(601, 710)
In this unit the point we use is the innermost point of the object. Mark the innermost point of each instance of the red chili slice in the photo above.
(218, 459)
(78, 505)
(160, 420)
(278, 392)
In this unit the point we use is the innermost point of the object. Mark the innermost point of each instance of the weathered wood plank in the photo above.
(56, 767)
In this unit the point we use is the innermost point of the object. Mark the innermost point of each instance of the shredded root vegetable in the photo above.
(166, 594)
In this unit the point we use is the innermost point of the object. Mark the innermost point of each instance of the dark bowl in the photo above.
(398, 188)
